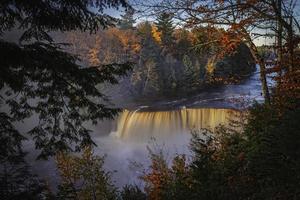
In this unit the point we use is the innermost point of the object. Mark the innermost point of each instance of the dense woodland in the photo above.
(168, 61)
(259, 161)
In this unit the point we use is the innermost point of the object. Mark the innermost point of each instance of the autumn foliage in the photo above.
(83, 177)
(164, 180)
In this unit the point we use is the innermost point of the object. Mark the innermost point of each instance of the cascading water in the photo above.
(138, 126)
(142, 125)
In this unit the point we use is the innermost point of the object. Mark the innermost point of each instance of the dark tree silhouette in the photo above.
(165, 26)
(127, 20)
(40, 78)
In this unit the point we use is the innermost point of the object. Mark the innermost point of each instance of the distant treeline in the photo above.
(168, 60)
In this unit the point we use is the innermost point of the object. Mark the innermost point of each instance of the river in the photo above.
(161, 125)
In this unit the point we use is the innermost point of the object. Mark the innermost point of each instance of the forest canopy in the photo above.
(168, 60)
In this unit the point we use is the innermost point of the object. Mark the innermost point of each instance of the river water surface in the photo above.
(161, 125)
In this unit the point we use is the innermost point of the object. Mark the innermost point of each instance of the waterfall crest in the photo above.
(141, 125)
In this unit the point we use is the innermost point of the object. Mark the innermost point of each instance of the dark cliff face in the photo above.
(240, 64)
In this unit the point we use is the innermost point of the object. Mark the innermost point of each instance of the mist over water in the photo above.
(165, 130)
(128, 159)
(124, 141)
(165, 125)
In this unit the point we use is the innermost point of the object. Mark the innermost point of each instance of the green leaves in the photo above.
(165, 26)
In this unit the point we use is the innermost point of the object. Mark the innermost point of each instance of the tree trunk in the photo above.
(291, 48)
(263, 79)
(279, 38)
(262, 66)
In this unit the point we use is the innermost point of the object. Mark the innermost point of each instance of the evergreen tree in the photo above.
(18, 182)
(132, 192)
(16, 179)
(127, 20)
(38, 68)
(149, 60)
(172, 81)
(190, 75)
(165, 26)
(38, 77)
(183, 44)
(201, 69)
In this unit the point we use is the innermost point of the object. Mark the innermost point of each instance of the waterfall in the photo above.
(141, 125)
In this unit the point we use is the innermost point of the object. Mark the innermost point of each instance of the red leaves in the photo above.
(160, 175)
(229, 41)
(287, 92)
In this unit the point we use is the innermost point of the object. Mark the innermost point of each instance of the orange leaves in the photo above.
(289, 86)
(252, 2)
(127, 38)
(106, 46)
(287, 91)
(93, 53)
(230, 40)
(159, 176)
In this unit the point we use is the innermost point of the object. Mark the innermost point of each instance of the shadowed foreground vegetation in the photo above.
(38, 78)
(260, 162)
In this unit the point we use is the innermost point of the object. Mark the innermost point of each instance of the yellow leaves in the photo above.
(67, 167)
(156, 34)
(106, 46)
(70, 166)
(210, 67)
(85, 173)
(127, 40)
(93, 56)
(136, 48)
